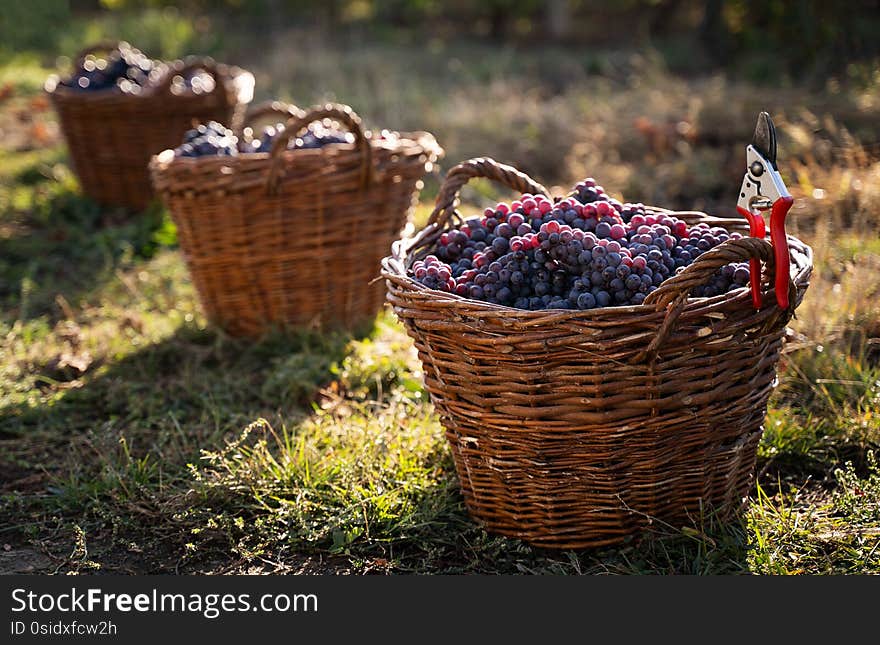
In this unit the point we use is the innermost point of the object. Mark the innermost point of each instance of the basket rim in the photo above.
(394, 269)
(236, 79)
(415, 143)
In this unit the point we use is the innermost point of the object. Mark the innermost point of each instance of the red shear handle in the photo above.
(780, 248)
(756, 229)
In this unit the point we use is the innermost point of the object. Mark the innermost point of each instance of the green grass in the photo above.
(135, 438)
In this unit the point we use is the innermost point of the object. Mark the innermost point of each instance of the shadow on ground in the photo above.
(66, 245)
(156, 409)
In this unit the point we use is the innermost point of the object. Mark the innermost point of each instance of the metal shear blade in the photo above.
(764, 139)
(762, 185)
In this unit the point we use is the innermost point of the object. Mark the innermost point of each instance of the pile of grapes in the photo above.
(128, 70)
(208, 139)
(581, 252)
(318, 135)
(216, 139)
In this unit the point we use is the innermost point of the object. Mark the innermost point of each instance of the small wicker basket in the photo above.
(112, 135)
(574, 429)
(294, 237)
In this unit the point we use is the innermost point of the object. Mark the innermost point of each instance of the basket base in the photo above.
(597, 504)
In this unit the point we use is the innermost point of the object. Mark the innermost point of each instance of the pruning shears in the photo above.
(762, 190)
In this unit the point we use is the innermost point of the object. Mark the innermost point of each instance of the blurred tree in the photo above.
(714, 34)
(558, 18)
(791, 35)
(804, 33)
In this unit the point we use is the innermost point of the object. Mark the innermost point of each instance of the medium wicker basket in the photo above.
(574, 429)
(294, 237)
(111, 135)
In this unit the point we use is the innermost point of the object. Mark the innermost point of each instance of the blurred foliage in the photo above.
(805, 34)
(759, 39)
(28, 25)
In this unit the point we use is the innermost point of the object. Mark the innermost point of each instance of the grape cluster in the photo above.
(208, 139)
(727, 278)
(588, 191)
(318, 135)
(215, 139)
(571, 254)
(126, 69)
(195, 81)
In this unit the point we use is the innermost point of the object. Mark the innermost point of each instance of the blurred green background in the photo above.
(561, 89)
(761, 39)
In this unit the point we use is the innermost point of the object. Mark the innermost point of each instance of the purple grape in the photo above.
(535, 254)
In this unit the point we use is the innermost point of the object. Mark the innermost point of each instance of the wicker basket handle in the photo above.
(179, 68)
(103, 46)
(341, 113)
(458, 176)
(279, 109)
(672, 295)
(266, 110)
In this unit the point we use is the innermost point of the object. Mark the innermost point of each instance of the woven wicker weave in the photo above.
(294, 237)
(573, 429)
(111, 135)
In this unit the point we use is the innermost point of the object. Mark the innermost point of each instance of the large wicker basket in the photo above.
(111, 135)
(294, 237)
(575, 429)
